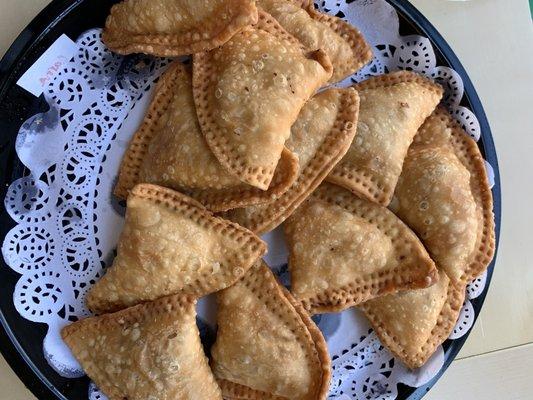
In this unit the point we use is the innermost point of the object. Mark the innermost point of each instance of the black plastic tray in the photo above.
(21, 340)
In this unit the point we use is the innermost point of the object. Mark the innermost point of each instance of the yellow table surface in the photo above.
(494, 40)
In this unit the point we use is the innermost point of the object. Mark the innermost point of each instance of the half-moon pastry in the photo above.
(412, 324)
(169, 150)
(249, 92)
(344, 250)
(172, 245)
(320, 137)
(343, 43)
(393, 107)
(170, 28)
(150, 351)
(443, 194)
(267, 346)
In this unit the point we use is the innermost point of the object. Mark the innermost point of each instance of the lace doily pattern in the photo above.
(59, 245)
(68, 221)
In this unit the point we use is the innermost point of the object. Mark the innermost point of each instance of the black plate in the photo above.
(21, 340)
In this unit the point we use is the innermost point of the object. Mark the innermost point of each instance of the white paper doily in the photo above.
(68, 221)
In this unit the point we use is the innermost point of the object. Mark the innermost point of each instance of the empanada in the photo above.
(170, 150)
(412, 324)
(267, 347)
(344, 250)
(320, 137)
(150, 351)
(170, 28)
(171, 244)
(443, 194)
(343, 43)
(248, 93)
(392, 109)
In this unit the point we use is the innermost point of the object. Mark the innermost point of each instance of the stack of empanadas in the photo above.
(246, 133)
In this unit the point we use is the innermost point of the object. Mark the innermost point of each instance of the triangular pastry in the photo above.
(150, 351)
(414, 323)
(344, 250)
(267, 346)
(170, 28)
(392, 109)
(248, 93)
(343, 43)
(169, 150)
(172, 245)
(320, 137)
(443, 194)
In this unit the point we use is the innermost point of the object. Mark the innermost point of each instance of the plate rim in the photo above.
(53, 13)
(410, 12)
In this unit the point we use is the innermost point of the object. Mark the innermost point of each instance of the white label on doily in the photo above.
(48, 65)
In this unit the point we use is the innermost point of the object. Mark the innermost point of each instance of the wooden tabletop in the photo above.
(494, 40)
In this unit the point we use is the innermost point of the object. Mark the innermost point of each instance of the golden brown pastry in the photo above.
(392, 109)
(267, 347)
(412, 324)
(151, 351)
(175, 27)
(344, 250)
(172, 245)
(443, 194)
(320, 137)
(170, 150)
(344, 44)
(248, 93)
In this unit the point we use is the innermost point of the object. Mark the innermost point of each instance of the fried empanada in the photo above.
(320, 137)
(172, 245)
(443, 194)
(343, 43)
(344, 250)
(414, 323)
(267, 346)
(170, 150)
(248, 93)
(150, 351)
(392, 109)
(170, 28)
